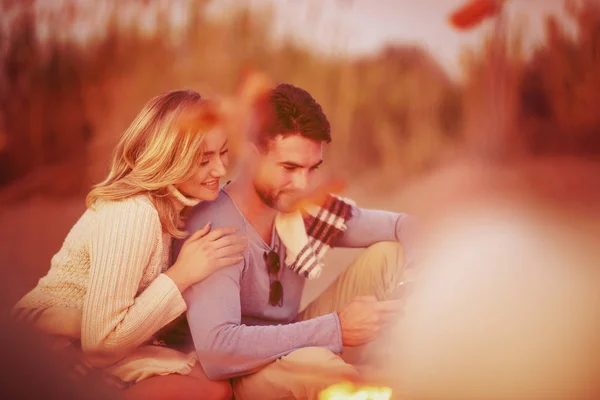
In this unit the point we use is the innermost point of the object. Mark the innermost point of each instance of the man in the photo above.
(245, 319)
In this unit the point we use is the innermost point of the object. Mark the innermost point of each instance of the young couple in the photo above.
(241, 255)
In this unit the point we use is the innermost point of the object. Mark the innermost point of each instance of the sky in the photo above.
(344, 26)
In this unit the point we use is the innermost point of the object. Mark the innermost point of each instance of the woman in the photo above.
(108, 289)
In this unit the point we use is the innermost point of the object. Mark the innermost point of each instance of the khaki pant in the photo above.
(303, 373)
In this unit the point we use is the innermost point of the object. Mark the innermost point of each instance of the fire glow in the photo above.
(348, 391)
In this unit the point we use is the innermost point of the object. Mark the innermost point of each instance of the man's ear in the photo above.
(252, 155)
(254, 149)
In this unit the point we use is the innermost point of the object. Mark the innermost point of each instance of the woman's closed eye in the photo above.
(206, 161)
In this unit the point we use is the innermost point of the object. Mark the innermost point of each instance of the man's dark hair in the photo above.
(288, 110)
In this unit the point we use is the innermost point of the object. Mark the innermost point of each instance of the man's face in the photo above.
(284, 170)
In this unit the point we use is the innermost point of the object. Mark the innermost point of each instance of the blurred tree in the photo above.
(397, 108)
(408, 110)
(560, 88)
(20, 78)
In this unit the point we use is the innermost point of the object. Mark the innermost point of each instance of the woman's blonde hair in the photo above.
(161, 147)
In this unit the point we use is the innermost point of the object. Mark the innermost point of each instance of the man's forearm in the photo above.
(230, 350)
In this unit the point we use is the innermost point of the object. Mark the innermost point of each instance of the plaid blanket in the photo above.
(308, 233)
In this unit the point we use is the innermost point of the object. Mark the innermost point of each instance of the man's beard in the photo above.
(272, 198)
(269, 197)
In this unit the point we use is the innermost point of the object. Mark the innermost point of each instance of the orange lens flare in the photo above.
(348, 391)
(474, 12)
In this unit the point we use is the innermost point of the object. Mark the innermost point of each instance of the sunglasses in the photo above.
(273, 267)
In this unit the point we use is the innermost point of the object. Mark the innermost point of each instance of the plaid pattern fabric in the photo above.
(68, 351)
(323, 224)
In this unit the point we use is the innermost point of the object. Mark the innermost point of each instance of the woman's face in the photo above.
(204, 184)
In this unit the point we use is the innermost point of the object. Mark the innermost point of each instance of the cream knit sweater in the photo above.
(108, 279)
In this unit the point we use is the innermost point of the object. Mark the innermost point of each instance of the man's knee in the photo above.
(385, 259)
(389, 252)
(379, 269)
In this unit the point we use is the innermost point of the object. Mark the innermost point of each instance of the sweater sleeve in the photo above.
(116, 318)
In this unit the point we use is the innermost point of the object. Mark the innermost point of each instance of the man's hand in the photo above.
(365, 317)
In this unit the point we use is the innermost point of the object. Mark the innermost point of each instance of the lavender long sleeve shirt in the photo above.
(234, 328)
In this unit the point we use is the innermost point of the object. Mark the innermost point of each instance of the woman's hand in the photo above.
(205, 252)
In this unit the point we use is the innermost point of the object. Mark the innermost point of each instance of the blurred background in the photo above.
(406, 91)
(426, 114)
